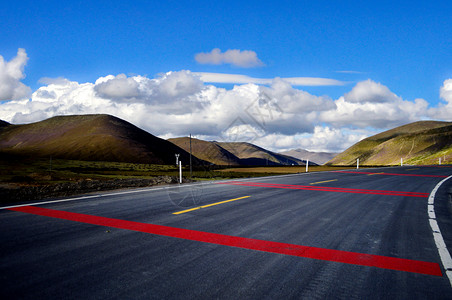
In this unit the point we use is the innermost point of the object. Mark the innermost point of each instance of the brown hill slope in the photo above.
(4, 124)
(88, 137)
(233, 154)
(417, 143)
(208, 151)
(250, 154)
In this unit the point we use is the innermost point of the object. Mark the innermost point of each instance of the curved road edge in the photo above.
(439, 240)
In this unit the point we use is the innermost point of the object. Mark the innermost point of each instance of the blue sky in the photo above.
(404, 46)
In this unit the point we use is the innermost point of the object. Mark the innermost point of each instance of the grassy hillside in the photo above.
(88, 138)
(417, 143)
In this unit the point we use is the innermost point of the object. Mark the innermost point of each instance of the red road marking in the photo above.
(328, 189)
(392, 174)
(369, 260)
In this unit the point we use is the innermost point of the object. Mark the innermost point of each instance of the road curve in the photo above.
(348, 235)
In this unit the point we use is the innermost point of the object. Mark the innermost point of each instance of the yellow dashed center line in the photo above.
(375, 174)
(208, 205)
(323, 181)
(412, 169)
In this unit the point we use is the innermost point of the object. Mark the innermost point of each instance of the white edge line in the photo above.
(439, 240)
(84, 197)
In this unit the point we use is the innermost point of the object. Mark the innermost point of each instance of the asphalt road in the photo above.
(363, 234)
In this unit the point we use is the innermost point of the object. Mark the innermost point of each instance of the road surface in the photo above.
(357, 234)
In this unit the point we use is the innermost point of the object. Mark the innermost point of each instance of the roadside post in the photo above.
(357, 163)
(307, 165)
(180, 171)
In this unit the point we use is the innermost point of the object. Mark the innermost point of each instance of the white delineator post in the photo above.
(401, 161)
(180, 171)
(307, 165)
(440, 160)
(357, 163)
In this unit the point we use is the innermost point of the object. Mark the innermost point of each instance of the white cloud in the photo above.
(444, 110)
(243, 79)
(312, 81)
(165, 89)
(323, 139)
(235, 57)
(371, 104)
(119, 87)
(277, 116)
(178, 84)
(445, 91)
(10, 75)
(371, 92)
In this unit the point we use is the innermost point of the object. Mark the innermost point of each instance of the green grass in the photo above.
(46, 171)
(40, 171)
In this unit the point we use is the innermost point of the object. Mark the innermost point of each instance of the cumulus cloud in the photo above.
(277, 115)
(167, 88)
(322, 139)
(235, 57)
(371, 104)
(371, 92)
(444, 110)
(178, 84)
(118, 87)
(445, 91)
(243, 79)
(11, 73)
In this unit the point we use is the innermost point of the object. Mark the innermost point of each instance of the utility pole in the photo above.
(191, 171)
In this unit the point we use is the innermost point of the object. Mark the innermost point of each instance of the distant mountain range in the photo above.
(107, 138)
(316, 157)
(234, 154)
(421, 142)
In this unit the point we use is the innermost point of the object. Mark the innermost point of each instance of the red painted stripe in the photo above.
(378, 261)
(393, 174)
(328, 189)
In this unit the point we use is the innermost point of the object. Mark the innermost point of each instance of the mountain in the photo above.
(316, 157)
(3, 124)
(417, 143)
(250, 154)
(208, 151)
(234, 154)
(89, 137)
